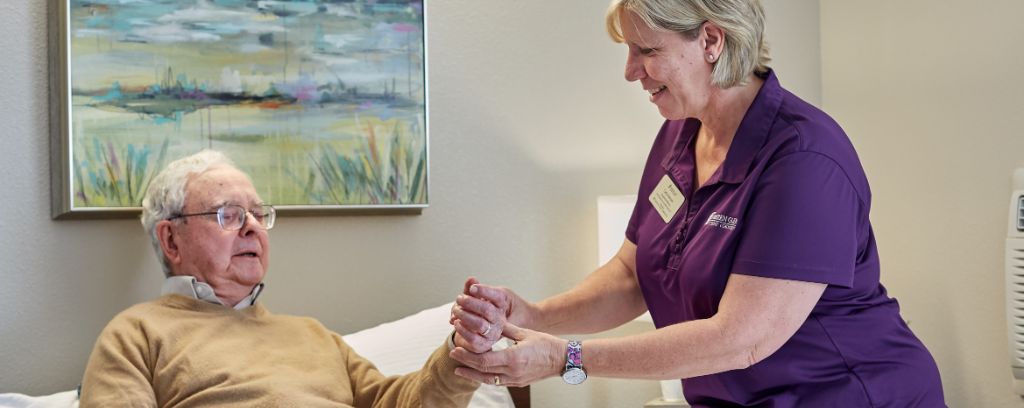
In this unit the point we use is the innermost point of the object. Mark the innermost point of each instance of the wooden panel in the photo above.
(520, 396)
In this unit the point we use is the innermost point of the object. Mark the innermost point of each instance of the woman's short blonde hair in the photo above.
(745, 50)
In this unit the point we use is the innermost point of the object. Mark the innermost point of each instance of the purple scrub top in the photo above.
(790, 201)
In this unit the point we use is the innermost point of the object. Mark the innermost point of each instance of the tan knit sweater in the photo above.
(181, 352)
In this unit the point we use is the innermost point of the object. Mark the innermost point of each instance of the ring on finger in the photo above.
(487, 331)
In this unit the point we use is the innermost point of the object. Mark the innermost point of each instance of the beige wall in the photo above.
(530, 122)
(930, 93)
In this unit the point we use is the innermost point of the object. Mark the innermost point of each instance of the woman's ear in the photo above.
(713, 41)
(168, 241)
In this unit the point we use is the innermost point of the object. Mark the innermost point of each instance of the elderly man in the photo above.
(207, 342)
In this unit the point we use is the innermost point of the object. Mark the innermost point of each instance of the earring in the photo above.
(711, 57)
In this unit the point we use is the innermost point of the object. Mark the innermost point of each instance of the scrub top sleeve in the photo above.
(801, 223)
(633, 225)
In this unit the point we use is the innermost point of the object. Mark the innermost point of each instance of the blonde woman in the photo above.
(750, 244)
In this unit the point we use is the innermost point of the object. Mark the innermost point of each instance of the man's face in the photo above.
(232, 262)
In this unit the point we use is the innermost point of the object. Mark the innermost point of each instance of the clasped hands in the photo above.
(482, 315)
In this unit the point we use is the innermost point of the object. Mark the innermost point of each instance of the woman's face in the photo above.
(675, 71)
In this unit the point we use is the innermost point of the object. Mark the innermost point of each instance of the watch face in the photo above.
(574, 376)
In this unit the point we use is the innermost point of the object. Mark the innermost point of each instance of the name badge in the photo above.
(666, 198)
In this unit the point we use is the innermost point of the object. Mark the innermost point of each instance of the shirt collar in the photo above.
(753, 130)
(190, 287)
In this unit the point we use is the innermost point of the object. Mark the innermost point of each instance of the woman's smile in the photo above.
(656, 92)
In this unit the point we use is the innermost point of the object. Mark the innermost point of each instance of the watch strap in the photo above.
(574, 354)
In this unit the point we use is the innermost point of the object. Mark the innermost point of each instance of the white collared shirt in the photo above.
(189, 286)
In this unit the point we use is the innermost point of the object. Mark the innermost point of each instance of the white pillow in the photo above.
(402, 346)
(66, 399)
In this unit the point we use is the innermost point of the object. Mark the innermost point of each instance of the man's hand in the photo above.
(478, 322)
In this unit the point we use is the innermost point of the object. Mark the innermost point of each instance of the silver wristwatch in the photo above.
(574, 372)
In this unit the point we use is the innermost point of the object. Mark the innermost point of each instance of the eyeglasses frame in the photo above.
(246, 212)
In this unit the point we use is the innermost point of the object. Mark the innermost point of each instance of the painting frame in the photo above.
(62, 111)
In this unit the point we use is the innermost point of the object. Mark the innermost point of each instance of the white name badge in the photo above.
(666, 198)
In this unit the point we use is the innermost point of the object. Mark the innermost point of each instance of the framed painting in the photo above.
(322, 102)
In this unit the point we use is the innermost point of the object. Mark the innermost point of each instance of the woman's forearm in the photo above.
(607, 298)
(681, 351)
(755, 318)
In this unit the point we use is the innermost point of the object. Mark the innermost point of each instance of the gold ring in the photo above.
(497, 380)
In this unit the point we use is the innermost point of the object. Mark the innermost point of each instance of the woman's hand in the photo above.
(533, 357)
(481, 312)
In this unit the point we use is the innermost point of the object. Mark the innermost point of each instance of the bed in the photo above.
(396, 347)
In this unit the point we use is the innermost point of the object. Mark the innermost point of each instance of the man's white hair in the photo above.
(165, 196)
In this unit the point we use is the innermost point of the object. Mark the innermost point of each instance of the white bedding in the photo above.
(403, 346)
(396, 347)
(66, 399)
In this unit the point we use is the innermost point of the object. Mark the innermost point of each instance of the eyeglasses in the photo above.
(232, 217)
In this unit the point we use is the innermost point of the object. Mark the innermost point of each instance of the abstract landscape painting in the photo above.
(322, 102)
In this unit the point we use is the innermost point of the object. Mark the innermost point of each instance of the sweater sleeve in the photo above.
(435, 385)
(117, 374)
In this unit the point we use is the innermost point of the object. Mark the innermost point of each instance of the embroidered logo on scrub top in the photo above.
(722, 221)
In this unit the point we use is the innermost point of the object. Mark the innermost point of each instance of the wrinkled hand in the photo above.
(533, 357)
(478, 321)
